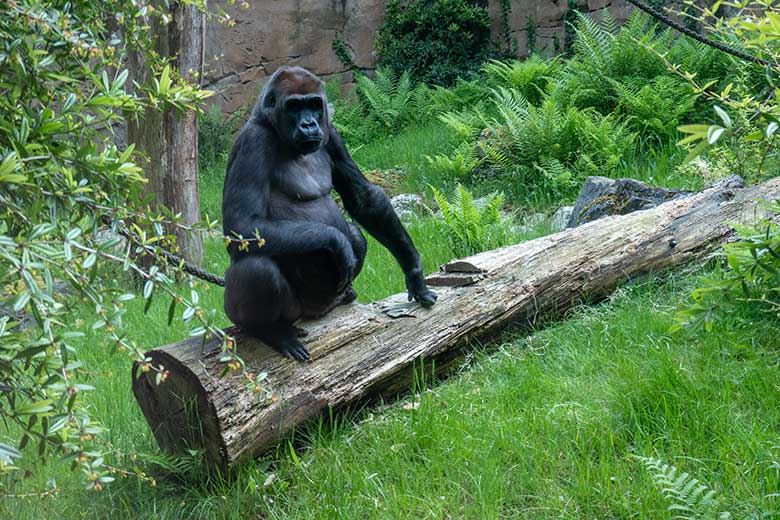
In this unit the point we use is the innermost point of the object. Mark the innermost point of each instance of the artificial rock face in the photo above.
(271, 33)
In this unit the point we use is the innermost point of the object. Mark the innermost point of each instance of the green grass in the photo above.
(406, 151)
(543, 427)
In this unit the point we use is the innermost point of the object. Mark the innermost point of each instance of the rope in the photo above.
(172, 259)
(188, 267)
(658, 15)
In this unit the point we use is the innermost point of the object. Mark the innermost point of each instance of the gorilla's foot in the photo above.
(299, 332)
(284, 340)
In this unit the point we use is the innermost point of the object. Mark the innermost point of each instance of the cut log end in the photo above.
(178, 409)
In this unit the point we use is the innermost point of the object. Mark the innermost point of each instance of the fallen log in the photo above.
(362, 350)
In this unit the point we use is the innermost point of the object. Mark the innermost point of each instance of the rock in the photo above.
(408, 204)
(600, 196)
(21, 319)
(561, 217)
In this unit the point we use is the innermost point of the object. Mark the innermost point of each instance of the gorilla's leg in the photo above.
(259, 299)
(359, 248)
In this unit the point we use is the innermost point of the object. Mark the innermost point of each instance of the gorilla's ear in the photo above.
(269, 100)
(329, 111)
(266, 103)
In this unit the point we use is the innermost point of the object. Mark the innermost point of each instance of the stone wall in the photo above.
(271, 33)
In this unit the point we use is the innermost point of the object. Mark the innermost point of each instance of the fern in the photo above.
(470, 228)
(459, 165)
(466, 125)
(531, 78)
(689, 498)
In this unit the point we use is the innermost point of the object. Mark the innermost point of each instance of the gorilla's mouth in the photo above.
(309, 144)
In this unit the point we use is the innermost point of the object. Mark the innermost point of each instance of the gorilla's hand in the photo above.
(418, 291)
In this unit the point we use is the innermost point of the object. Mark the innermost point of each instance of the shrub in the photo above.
(436, 41)
(753, 276)
(548, 149)
(624, 70)
(458, 166)
(62, 179)
(464, 94)
(380, 107)
(654, 110)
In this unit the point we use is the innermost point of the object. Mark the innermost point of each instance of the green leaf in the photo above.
(714, 134)
(723, 116)
(8, 453)
(148, 288)
(89, 261)
(698, 149)
(36, 407)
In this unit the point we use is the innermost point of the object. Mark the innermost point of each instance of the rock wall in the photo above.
(270, 33)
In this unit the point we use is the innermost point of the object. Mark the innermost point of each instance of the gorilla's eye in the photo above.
(314, 103)
(293, 104)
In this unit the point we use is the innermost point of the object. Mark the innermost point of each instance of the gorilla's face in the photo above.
(304, 118)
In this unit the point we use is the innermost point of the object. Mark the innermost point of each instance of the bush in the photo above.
(530, 77)
(548, 149)
(62, 180)
(623, 71)
(753, 276)
(458, 166)
(656, 109)
(436, 41)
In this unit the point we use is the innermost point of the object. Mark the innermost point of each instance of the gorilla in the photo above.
(286, 160)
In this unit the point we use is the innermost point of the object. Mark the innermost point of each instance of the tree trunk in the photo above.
(361, 351)
(169, 139)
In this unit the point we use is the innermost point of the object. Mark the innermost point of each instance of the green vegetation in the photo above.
(436, 41)
(63, 92)
(622, 410)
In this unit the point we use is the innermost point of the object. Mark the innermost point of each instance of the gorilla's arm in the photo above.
(245, 203)
(369, 205)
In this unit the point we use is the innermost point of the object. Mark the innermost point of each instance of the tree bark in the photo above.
(169, 139)
(361, 351)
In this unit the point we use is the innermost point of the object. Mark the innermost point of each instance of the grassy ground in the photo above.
(543, 427)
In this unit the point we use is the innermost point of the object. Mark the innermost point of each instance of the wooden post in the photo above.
(170, 139)
(359, 351)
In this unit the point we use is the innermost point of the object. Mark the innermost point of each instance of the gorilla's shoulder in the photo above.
(255, 137)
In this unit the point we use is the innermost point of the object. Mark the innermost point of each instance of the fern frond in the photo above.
(690, 499)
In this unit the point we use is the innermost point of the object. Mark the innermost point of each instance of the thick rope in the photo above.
(658, 15)
(172, 259)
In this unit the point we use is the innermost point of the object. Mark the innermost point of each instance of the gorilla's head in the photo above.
(294, 102)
